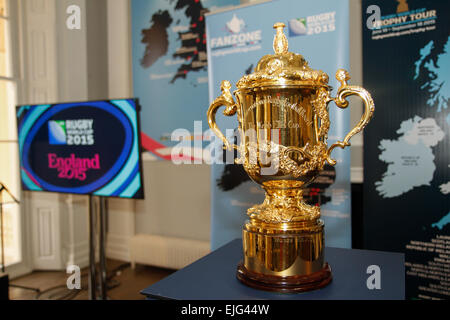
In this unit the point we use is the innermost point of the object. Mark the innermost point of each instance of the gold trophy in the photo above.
(282, 109)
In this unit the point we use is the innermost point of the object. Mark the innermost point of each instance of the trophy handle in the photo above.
(226, 99)
(344, 91)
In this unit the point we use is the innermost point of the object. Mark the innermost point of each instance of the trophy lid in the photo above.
(283, 68)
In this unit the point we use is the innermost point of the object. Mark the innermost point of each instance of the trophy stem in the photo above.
(284, 205)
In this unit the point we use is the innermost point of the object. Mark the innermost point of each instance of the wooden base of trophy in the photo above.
(289, 284)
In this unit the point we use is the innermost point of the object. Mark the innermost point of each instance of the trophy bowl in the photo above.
(282, 110)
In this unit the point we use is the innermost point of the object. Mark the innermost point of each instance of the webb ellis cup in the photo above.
(282, 109)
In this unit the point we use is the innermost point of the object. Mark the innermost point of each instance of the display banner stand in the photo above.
(103, 214)
(92, 282)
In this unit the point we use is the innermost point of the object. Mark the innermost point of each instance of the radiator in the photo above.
(166, 252)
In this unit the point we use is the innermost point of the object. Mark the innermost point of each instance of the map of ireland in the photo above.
(410, 158)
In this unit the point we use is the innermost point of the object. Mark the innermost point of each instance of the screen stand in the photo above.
(103, 224)
(92, 271)
(102, 214)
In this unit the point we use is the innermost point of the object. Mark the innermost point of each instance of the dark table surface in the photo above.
(213, 277)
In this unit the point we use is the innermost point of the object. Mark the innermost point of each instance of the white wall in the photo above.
(356, 105)
(177, 202)
(119, 49)
(72, 67)
(121, 218)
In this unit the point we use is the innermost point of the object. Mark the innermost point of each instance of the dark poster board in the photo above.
(407, 145)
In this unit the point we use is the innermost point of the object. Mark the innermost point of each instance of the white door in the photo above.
(46, 237)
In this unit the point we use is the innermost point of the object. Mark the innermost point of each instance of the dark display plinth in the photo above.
(4, 286)
(214, 278)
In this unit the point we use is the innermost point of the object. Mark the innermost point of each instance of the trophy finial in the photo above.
(280, 43)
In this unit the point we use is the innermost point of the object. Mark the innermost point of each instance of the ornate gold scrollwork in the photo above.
(344, 91)
(284, 206)
(249, 158)
(313, 157)
(225, 99)
(320, 108)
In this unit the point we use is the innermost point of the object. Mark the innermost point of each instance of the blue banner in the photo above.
(237, 39)
(170, 67)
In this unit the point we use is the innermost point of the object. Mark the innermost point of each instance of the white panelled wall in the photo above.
(40, 84)
(55, 70)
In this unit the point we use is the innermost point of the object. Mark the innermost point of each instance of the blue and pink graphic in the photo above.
(82, 148)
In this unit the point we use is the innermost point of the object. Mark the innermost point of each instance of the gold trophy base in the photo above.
(290, 284)
(284, 257)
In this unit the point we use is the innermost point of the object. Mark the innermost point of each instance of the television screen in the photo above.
(82, 148)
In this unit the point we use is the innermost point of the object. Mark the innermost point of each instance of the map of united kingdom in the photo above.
(410, 158)
(193, 40)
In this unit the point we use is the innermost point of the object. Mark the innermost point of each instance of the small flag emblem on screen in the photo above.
(57, 132)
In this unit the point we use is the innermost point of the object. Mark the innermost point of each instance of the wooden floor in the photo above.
(52, 284)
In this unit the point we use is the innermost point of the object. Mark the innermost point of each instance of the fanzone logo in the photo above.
(238, 37)
(235, 25)
(71, 132)
(320, 23)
